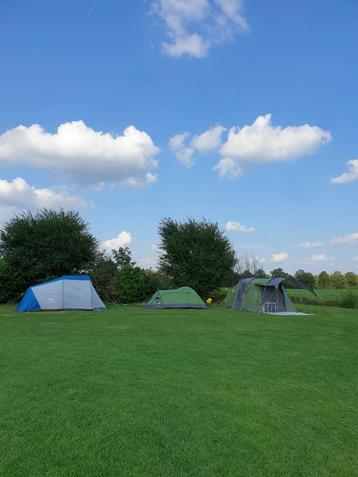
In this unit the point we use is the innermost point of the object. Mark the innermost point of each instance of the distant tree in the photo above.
(351, 279)
(43, 246)
(260, 273)
(323, 280)
(103, 275)
(306, 277)
(338, 280)
(196, 254)
(278, 272)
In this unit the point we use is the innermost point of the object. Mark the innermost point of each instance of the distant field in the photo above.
(336, 296)
(134, 392)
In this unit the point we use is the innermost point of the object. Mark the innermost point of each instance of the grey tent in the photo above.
(70, 292)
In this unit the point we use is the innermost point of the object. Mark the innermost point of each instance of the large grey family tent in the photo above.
(184, 297)
(264, 295)
(70, 292)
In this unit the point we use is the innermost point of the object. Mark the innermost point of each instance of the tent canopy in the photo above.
(69, 292)
(262, 295)
(184, 297)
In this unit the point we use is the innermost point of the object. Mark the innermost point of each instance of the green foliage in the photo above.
(324, 280)
(43, 246)
(103, 275)
(305, 277)
(123, 257)
(160, 280)
(218, 295)
(260, 273)
(278, 272)
(351, 280)
(133, 284)
(196, 254)
(338, 280)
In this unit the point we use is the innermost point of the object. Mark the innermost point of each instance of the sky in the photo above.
(240, 112)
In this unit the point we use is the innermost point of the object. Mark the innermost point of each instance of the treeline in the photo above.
(39, 247)
(324, 279)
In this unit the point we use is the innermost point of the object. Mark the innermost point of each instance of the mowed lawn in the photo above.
(132, 392)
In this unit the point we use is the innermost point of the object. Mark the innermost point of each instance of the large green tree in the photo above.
(37, 247)
(196, 254)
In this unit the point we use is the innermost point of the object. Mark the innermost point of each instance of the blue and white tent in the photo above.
(70, 292)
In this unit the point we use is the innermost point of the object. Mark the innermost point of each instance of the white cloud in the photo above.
(208, 140)
(184, 148)
(233, 226)
(355, 259)
(320, 258)
(194, 26)
(81, 154)
(229, 168)
(183, 153)
(308, 244)
(279, 257)
(261, 142)
(350, 239)
(122, 240)
(17, 195)
(350, 176)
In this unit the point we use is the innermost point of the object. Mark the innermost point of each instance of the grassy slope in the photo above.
(175, 393)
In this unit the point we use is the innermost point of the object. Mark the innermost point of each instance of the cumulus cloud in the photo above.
(208, 140)
(184, 146)
(82, 155)
(252, 144)
(229, 168)
(279, 257)
(233, 226)
(350, 176)
(194, 26)
(17, 195)
(308, 244)
(183, 152)
(350, 239)
(355, 259)
(122, 240)
(261, 142)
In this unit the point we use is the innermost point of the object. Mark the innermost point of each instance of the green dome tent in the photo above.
(184, 297)
(264, 295)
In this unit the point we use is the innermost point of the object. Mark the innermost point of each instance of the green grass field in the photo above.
(325, 293)
(132, 392)
(345, 297)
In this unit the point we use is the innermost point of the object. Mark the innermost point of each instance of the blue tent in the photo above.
(70, 292)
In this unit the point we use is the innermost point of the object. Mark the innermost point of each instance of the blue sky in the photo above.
(170, 67)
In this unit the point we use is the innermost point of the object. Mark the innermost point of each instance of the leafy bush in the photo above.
(133, 285)
(218, 294)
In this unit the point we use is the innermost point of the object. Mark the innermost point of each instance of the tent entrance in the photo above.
(272, 299)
